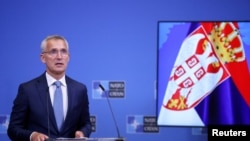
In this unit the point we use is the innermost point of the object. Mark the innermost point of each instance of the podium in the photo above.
(87, 139)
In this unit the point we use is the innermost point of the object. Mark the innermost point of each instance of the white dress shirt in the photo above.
(52, 88)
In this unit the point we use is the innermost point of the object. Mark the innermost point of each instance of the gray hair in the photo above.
(51, 37)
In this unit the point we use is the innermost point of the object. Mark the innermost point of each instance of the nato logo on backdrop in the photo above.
(112, 89)
(93, 123)
(141, 124)
(4, 123)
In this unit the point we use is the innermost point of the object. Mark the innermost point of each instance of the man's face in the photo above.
(56, 57)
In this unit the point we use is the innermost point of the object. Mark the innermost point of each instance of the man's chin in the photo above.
(59, 71)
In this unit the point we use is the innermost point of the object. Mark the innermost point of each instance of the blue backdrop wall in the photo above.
(110, 41)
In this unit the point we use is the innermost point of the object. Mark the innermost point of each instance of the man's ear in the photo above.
(69, 58)
(42, 58)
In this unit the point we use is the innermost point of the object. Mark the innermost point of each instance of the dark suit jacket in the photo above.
(33, 111)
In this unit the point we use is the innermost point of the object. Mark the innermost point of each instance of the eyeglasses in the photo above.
(54, 52)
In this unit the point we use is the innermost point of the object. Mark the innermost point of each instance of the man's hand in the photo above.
(79, 134)
(35, 136)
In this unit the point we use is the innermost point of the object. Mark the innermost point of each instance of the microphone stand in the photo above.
(113, 116)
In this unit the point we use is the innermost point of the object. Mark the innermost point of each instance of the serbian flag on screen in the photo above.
(209, 82)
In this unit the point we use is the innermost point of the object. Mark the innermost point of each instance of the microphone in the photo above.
(114, 119)
(47, 105)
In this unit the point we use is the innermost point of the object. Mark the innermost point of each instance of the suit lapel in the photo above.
(43, 90)
(70, 92)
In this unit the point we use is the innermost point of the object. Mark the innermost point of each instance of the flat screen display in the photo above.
(203, 73)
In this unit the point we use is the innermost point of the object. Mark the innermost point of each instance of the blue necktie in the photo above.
(58, 105)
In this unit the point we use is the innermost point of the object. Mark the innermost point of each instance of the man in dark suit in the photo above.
(33, 118)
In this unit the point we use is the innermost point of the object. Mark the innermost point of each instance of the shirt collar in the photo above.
(51, 80)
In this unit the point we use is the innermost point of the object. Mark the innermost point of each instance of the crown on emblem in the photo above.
(227, 42)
